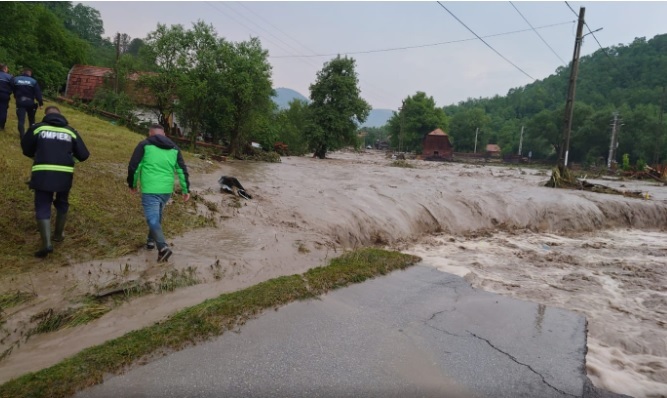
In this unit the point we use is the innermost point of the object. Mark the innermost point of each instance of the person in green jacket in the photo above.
(152, 167)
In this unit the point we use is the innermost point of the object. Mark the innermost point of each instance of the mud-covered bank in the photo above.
(303, 212)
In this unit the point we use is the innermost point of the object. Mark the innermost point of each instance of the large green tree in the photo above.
(218, 89)
(418, 117)
(336, 108)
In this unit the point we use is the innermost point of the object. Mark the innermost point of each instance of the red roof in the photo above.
(492, 148)
(437, 132)
(89, 70)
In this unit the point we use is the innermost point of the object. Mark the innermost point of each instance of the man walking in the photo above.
(26, 91)
(54, 145)
(152, 165)
(5, 93)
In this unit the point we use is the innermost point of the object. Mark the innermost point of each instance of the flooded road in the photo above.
(305, 211)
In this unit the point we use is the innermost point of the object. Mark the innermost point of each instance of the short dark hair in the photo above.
(2, 66)
(51, 109)
(156, 126)
(27, 70)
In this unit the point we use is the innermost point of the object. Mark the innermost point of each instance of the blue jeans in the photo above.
(153, 204)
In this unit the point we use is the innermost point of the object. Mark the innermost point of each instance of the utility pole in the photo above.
(659, 138)
(521, 141)
(400, 136)
(614, 139)
(117, 43)
(476, 132)
(569, 104)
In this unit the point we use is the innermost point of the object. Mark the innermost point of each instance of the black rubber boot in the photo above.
(61, 220)
(44, 227)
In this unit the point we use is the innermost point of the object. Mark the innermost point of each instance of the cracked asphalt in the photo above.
(419, 332)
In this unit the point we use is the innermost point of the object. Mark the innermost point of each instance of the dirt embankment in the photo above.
(303, 212)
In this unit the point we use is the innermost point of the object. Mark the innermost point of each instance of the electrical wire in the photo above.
(420, 45)
(487, 44)
(538, 34)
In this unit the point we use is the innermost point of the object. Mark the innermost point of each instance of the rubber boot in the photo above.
(61, 220)
(44, 227)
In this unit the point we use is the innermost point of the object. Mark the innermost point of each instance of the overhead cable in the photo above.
(487, 44)
(538, 34)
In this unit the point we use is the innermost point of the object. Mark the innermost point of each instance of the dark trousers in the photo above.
(4, 104)
(20, 114)
(43, 202)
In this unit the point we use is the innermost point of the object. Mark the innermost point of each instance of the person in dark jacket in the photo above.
(5, 93)
(54, 146)
(152, 165)
(26, 91)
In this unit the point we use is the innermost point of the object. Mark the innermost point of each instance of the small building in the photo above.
(437, 146)
(84, 80)
(493, 150)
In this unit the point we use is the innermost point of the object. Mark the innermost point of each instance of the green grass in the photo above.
(208, 319)
(105, 219)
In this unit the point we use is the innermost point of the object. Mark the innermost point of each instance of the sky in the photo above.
(450, 72)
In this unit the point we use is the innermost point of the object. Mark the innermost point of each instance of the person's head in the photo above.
(51, 109)
(4, 68)
(155, 129)
(27, 71)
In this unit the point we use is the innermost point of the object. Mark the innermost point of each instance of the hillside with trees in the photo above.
(628, 79)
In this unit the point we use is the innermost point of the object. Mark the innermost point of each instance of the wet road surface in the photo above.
(419, 332)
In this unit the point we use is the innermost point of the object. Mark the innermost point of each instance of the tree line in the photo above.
(216, 88)
(222, 90)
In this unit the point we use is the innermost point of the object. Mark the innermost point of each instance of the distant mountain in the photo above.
(285, 95)
(378, 118)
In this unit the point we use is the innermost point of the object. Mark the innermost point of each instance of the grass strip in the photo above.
(203, 321)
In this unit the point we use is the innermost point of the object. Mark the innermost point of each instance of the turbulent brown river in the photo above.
(597, 254)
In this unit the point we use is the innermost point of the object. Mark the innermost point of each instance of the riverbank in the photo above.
(305, 211)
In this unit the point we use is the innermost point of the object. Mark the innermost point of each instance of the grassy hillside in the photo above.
(105, 219)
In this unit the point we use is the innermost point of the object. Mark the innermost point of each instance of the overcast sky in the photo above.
(448, 72)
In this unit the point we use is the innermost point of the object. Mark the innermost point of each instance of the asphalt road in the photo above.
(413, 333)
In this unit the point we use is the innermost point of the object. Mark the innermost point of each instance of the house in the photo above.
(493, 150)
(437, 146)
(84, 80)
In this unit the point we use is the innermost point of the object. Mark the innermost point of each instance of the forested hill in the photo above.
(628, 79)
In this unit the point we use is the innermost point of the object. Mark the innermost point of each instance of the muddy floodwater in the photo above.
(598, 254)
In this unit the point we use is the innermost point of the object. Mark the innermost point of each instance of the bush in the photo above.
(626, 162)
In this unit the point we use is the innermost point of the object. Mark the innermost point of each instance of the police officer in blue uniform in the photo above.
(26, 91)
(5, 93)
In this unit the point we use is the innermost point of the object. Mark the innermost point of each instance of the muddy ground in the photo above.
(602, 255)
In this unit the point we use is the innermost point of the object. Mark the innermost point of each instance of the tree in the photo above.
(463, 127)
(292, 125)
(248, 87)
(418, 117)
(336, 108)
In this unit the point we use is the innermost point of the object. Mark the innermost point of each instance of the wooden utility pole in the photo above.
(400, 136)
(614, 138)
(521, 141)
(115, 84)
(476, 132)
(569, 104)
(659, 138)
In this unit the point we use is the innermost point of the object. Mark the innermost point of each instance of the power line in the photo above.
(420, 45)
(381, 92)
(538, 34)
(276, 28)
(590, 31)
(487, 44)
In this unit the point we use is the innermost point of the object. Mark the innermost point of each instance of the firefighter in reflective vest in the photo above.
(54, 145)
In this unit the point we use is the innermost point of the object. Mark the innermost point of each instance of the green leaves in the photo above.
(418, 117)
(336, 107)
